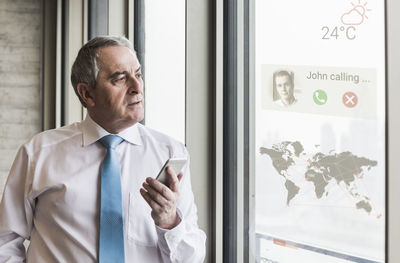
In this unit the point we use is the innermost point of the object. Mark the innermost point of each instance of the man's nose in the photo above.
(134, 84)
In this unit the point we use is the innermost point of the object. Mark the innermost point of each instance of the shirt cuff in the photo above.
(169, 239)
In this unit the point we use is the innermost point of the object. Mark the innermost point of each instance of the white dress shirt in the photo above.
(52, 197)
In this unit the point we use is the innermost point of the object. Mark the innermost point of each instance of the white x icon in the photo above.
(349, 99)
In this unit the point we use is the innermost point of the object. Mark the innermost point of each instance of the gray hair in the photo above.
(85, 68)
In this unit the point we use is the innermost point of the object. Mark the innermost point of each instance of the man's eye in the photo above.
(139, 75)
(120, 79)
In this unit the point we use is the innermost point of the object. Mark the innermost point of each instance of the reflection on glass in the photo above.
(320, 131)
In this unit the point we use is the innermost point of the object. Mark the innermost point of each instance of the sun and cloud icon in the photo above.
(356, 15)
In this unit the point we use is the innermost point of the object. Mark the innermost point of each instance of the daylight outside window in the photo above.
(165, 61)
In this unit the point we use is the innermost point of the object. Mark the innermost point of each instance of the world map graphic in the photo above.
(321, 169)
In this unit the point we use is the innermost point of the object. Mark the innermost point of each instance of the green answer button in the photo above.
(320, 97)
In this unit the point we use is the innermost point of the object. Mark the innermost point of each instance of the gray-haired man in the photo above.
(54, 194)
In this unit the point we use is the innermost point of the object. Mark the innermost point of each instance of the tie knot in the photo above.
(111, 141)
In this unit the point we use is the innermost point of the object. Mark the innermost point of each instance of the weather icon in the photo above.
(356, 15)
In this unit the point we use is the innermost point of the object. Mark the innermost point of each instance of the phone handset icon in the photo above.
(320, 97)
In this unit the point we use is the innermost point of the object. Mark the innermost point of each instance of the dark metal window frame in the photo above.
(140, 39)
(230, 131)
(98, 18)
(246, 133)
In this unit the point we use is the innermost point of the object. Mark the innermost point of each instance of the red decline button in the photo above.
(350, 99)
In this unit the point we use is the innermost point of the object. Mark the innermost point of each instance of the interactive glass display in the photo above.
(320, 131)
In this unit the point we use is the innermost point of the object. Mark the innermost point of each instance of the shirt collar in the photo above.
(92, 132)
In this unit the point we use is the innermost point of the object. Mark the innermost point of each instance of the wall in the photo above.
(199, 112)
(20, 110)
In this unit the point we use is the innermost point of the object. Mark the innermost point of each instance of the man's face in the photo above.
(118, 95)
(284, 87)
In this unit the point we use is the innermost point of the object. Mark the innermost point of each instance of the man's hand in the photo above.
(163, 200)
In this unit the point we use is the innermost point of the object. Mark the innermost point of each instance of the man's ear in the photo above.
(85, 92)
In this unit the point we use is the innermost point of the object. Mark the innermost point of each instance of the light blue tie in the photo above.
(111, 243)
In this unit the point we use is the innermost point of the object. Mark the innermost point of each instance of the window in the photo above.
(165, 66)
(319, 129)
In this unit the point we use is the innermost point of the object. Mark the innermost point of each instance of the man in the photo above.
(58, 192)
(284, 86)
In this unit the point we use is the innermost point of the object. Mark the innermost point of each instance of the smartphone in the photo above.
(176, 164)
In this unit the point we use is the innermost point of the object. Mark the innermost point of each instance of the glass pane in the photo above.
(165, 66)
(319, 131)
